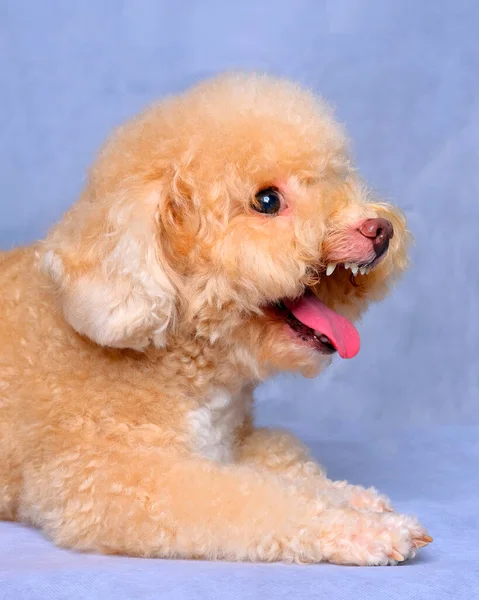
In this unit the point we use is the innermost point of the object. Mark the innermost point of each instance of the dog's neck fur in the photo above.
(217, 381)
(204, 365)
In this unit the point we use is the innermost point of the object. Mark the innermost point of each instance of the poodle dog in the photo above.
(222, 236)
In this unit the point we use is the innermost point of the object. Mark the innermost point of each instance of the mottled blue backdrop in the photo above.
(403, 76)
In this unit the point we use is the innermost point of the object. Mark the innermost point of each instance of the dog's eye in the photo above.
(267, 201)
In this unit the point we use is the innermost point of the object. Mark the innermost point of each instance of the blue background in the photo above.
(403, 76)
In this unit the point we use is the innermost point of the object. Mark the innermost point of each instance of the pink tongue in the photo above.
(316, 315)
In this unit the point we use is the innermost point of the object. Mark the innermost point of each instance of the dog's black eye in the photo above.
(267, 201)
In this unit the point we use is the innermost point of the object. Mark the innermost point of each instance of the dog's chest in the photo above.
(212, 425)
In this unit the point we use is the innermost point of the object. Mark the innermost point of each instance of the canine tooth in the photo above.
(347, 265)
(363, 270)
(330, 268)
(354, 269)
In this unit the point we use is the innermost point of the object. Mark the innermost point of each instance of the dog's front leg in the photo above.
(280, 452)
(104, 497)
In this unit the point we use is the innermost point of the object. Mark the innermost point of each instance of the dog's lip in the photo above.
(318, 325)
(363, 267)
(315, 339)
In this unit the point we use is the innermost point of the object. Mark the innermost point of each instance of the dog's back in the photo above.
(16, 270)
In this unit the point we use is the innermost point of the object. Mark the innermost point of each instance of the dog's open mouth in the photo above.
(319, 326)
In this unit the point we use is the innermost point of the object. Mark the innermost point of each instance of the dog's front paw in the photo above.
(362, 498)
(367, 499)
(357, 537)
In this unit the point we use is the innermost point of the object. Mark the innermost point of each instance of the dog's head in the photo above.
(230, 214)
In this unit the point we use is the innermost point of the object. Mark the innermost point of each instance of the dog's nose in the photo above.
(380, 231)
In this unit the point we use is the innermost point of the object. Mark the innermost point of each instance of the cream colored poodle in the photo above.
(222, 236)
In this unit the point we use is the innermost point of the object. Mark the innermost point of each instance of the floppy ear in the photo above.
(106, 262)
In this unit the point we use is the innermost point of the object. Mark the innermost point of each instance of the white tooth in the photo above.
(347, 265)
(330, 269)
(368, 269)
(363, 270)
(354, 269)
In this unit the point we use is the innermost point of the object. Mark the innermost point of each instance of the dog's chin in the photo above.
(290, 351)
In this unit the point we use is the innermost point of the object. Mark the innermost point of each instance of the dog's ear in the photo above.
(106, 261)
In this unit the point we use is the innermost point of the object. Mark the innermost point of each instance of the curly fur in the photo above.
(133, 336)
